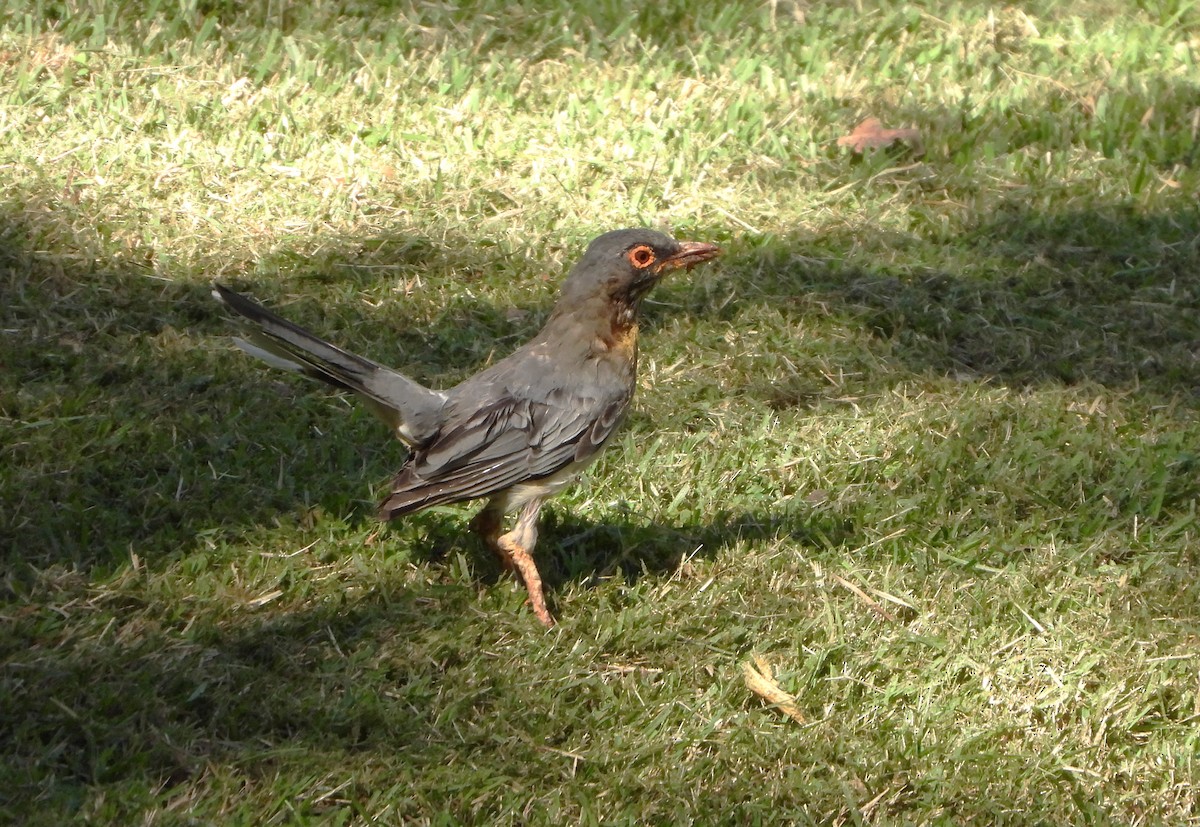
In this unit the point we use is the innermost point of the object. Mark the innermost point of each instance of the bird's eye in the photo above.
(641, 257)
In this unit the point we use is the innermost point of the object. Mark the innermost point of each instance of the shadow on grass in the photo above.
(123, 434)
(1108, 296)
(134, 427)
(575, 550)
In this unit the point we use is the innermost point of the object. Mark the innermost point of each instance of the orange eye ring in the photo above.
(641, 256)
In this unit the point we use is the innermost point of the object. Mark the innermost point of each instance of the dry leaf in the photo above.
(761, 681)
(871, 134)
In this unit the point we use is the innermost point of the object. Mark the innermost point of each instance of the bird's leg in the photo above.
(519, 544)
(515, 549)
(489, 525)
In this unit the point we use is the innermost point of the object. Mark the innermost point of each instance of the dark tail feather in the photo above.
(411, 408)
(290, 343)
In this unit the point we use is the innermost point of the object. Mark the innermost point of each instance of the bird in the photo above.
(520, 430)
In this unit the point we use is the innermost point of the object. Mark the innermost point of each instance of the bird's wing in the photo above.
(411, 409)
(507, 442)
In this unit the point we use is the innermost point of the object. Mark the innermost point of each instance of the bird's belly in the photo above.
(548, 486)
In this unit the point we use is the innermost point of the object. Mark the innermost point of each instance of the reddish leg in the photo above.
(515, 550)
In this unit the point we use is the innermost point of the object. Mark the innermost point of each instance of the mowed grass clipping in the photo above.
(925, 442)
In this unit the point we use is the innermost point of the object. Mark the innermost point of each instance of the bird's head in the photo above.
(621, 266)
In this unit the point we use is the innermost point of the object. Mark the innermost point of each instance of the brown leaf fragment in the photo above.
(865, 598)
(871, 134)
(761, 681)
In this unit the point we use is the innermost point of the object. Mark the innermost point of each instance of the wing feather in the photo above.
(510, 441)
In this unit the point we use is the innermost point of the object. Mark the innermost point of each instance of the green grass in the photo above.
(964, 382)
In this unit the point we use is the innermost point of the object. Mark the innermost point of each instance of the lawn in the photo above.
(924, 444)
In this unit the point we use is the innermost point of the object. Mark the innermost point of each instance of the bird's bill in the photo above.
(690, 254)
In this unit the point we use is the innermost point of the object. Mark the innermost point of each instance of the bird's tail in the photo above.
(410, 408)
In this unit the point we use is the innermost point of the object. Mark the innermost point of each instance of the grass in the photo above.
(926, 439)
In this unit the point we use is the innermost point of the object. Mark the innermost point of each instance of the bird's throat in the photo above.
(622, 341)
(619, 335)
